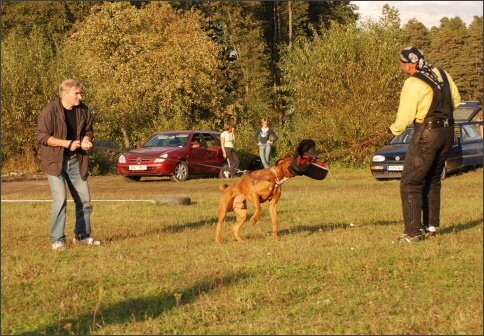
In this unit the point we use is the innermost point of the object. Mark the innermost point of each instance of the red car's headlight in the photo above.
(160, 158)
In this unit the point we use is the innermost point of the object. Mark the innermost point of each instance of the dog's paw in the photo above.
(253, 220)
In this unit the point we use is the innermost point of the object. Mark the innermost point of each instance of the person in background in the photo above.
(227, 139)
(264, 141)
(65, 133)
(428, 99)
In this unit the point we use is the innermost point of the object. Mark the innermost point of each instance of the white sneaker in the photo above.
(226, 174)
(87, 241)
(58, 245)
(430, 230)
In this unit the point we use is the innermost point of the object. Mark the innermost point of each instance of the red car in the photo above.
(177, 154)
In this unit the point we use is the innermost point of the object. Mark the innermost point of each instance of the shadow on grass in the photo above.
(460, 227)
(159, 230)
(326, 227)
(311, 229)
(137, 309)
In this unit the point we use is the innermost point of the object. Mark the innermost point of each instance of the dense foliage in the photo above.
(312, 68)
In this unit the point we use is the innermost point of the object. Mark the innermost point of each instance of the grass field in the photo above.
(336, 269)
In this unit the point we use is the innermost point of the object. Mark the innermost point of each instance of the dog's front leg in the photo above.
(257, 208)
(273, 213)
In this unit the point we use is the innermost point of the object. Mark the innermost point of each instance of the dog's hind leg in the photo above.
(240, 211)
(218, 233)
(225, 206)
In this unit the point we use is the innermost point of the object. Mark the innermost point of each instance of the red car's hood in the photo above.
(149, 151)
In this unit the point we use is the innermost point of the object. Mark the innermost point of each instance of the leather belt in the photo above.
(439, 123)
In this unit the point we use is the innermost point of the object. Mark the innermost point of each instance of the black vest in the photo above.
(442, 106)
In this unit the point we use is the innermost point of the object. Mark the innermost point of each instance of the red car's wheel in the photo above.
(181, 172)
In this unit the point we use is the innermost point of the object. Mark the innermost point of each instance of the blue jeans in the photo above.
(265, 152)
(79, 190)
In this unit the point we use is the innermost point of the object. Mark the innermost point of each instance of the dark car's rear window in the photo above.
(463, 113)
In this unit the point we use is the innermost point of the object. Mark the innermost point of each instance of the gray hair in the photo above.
(68, 84)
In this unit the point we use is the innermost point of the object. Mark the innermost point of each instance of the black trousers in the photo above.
(233, 161)
(420, 183)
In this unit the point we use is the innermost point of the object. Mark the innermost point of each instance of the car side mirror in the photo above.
(138, 146)
(387, 142)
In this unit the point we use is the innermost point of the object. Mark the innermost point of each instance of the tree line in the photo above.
(313, 68)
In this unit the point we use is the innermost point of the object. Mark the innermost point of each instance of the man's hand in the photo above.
(86, 145)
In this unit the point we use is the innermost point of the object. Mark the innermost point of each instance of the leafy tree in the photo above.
(349, 97)
(53, 18)
(28, 67)
(151, 69)
(390, 17)
(238, 28)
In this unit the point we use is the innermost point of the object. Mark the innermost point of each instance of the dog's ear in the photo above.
(280, 161)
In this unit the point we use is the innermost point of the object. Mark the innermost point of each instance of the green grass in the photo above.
(159, 270)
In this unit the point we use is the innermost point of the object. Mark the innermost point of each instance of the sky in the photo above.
(427, 12)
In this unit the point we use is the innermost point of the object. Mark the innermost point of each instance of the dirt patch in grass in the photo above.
(105, 187)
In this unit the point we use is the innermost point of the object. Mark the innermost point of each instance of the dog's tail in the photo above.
(223, 187)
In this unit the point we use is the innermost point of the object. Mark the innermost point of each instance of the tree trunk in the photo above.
(127, 143)
(289, 33)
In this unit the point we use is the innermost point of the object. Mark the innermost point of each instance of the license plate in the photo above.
(138, 167)
(395, 168)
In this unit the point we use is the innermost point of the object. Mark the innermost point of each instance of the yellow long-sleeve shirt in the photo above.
(415, 100)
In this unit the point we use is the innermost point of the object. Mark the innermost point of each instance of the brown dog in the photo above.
(258, 187)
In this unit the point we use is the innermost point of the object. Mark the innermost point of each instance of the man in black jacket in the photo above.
(65, 132)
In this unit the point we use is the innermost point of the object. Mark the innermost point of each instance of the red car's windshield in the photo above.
(168, 140)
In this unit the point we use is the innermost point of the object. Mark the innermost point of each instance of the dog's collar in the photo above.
(279, 182)
(276, 182)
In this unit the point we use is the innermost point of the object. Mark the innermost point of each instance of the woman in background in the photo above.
(227, 139)
(264, 141)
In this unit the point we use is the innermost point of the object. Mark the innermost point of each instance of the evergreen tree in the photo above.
(473, 62)
(446, 50)
(414, 33)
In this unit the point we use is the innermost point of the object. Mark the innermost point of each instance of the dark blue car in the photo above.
(466, 152)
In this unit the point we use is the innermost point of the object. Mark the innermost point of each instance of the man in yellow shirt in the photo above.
(428, 99)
